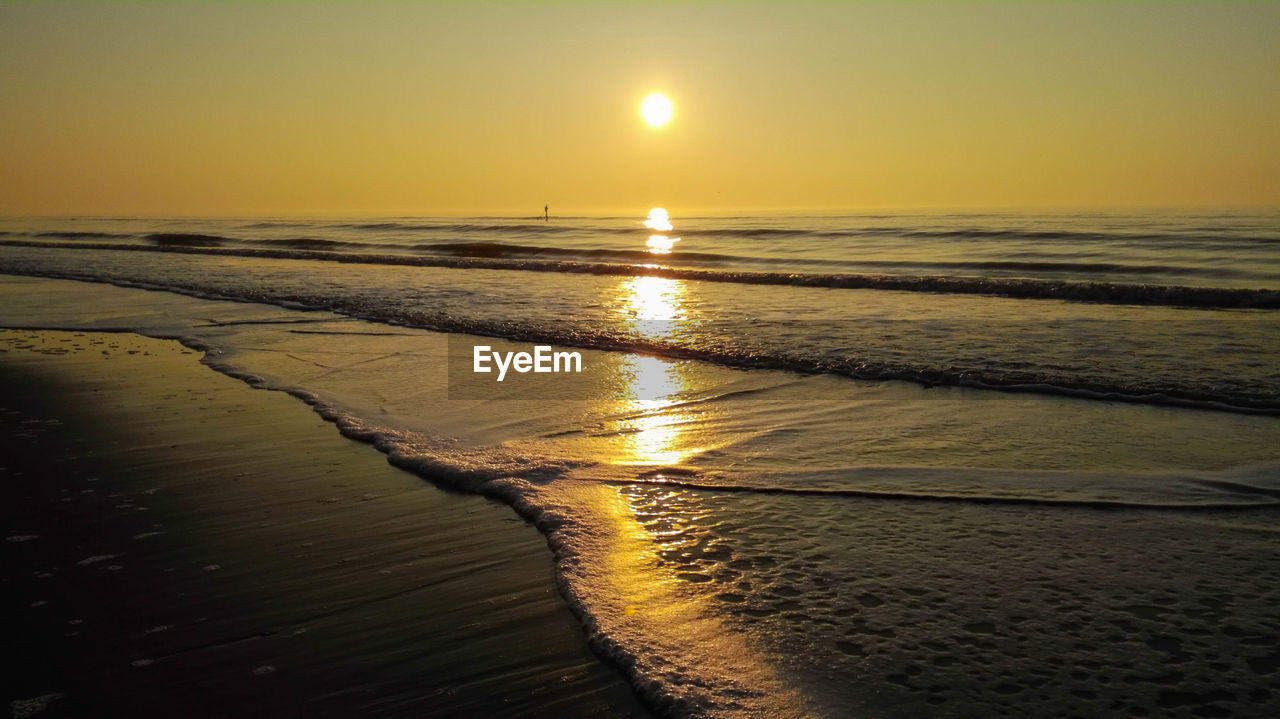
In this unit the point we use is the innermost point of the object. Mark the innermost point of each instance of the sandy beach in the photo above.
(177, 543)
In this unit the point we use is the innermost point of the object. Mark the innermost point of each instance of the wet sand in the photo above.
(177, 543)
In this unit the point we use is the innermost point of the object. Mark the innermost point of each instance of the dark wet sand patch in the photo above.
(178, 544)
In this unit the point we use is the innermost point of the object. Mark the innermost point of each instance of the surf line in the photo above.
(541, 360)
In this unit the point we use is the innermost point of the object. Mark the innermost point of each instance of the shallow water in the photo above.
(806, 500)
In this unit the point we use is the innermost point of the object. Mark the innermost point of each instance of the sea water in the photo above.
(884, 465)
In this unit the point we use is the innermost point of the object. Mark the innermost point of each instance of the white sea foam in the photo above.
(97, 558)
(23, 708)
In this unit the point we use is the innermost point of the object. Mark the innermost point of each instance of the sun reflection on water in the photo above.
(658, 220)
(652, 386)
(652, 427)
(653, 299)
(654, 430)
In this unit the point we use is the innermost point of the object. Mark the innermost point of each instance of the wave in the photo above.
(82, 235)
(1017, 288)
(972, 233)
(1101, 268)
(1024, 234)
(266, 225)
(292, 243)
(821, 227)
(59, 235)
(503, 249)
(187, 239)
(312, 243)
(498, 250)
(1150, 391)
(977, 233)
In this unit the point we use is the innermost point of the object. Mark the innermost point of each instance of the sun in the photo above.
(657, 109)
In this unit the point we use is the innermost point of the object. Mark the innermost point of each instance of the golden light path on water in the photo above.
(655, 432)
(641, 603)
(653, 305)
(634, 594)
(653, 384)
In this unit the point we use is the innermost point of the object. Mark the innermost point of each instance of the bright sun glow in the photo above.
(657, 110)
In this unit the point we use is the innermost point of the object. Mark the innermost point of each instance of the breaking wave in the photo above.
(1019, 288)
(1155, 390)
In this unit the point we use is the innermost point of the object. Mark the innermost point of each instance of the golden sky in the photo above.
(442, 108)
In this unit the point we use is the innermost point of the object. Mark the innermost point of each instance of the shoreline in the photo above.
(320, 580)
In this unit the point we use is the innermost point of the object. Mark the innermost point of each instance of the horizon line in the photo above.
(639, 211)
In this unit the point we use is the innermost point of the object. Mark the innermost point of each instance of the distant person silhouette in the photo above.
(546, 213)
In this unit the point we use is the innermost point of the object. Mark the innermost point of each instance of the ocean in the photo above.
(890, 465)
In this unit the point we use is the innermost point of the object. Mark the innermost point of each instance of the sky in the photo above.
(403, 108)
